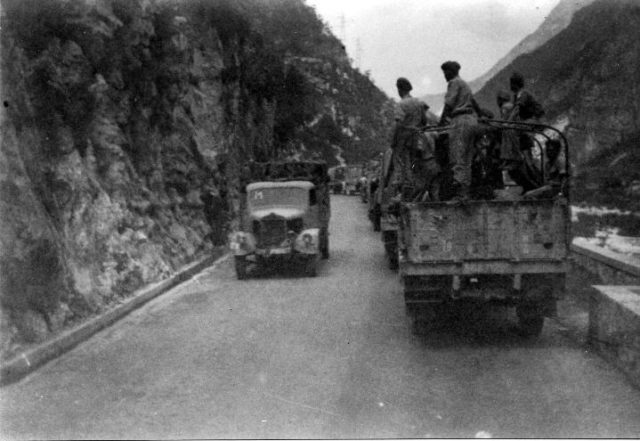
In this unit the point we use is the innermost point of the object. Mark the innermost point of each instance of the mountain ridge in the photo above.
(557, 20)
(587, 77)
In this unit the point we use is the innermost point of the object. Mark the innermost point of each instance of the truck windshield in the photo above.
(354, 172)
(280, 196)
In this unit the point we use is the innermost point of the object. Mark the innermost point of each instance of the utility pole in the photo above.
(343, 28)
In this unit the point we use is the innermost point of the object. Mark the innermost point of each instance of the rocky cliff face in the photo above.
(119, 116)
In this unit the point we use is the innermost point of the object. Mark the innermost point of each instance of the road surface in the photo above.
(282, 356)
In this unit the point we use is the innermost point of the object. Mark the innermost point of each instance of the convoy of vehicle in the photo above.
(500, 248)
(346, 179)
(385, 217)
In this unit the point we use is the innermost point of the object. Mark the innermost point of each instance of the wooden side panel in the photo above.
(485, 230)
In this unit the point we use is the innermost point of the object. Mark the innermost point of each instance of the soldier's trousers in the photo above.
(461, 148)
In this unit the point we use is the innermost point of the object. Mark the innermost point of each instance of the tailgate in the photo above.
(486, 231)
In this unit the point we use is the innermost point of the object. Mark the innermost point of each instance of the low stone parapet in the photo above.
(611, 268)
(614, 326)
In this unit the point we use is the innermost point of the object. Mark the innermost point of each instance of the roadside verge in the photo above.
(31, 359)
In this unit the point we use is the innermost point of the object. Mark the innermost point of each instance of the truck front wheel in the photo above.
(324, 244)
(311, 266)
(376, 218)
(241, 267)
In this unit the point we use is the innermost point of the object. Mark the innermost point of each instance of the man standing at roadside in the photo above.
(459, 113)
(215, 213)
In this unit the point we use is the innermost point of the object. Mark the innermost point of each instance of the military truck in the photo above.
(385, 217)
(352, 176)
(369, 180)
(285, 216)
(337, 176)
(509, 249)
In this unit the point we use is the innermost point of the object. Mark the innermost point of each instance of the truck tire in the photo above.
(241, 267)
(393, 262)
(311, 266)
(390, 239)
(324, 245)
(530, 320)
(376, 218)
(426, 317)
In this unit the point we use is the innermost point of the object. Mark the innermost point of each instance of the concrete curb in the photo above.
(614, 327)
(25, 363)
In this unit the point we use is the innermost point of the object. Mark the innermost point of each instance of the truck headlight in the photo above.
(307, 241)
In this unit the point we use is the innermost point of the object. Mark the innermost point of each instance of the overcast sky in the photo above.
(412, 38)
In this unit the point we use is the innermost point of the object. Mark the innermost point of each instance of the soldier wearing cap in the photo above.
(515, 150)
(459, 111)
(411, 116)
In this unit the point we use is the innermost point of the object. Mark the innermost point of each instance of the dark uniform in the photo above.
(215, 211)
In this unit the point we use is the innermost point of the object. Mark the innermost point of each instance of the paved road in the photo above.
(282, 356)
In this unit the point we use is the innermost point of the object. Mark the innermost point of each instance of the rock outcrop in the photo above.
(120, 115)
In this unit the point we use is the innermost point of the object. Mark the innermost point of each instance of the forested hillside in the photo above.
(119, 115)
(587, 78)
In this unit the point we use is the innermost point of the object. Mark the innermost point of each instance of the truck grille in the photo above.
(270, 231)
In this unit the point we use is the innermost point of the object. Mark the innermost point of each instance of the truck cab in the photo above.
(283, 222)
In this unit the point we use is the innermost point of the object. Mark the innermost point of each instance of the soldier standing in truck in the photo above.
(459, 112)
(516, 147)
(411, 115)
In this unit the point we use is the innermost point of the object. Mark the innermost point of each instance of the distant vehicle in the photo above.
(368, 180)
(509, 251)
(385, 216)
(345, 179)
(364, 189)
(285, 216)
(352, 180)
(337, 175)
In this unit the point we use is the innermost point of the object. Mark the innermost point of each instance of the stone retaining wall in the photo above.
(614, 327)
(614, 306)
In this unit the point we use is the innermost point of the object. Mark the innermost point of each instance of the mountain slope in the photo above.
(557, 20)
(587, 76)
